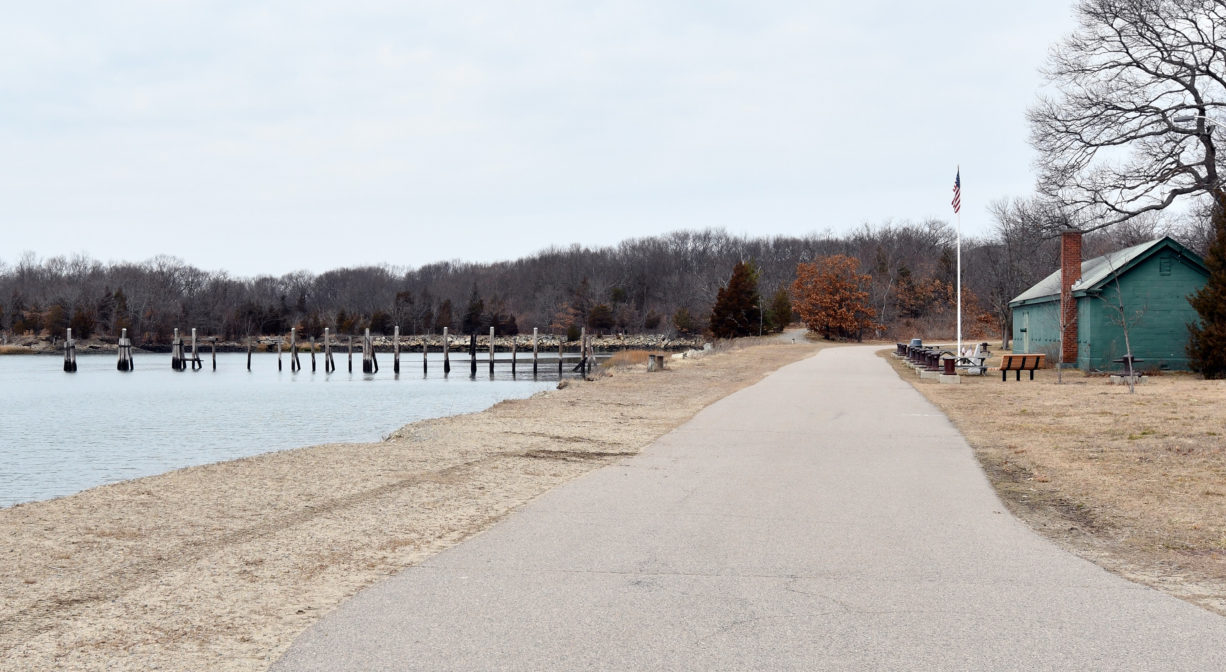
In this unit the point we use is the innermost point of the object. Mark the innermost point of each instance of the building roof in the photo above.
(1098, 270)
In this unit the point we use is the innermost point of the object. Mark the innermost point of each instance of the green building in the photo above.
(1145, 286)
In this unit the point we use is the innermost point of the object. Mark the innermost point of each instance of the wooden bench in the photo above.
(1020, 363)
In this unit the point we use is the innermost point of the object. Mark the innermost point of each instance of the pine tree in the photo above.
(737, 310)
(780, 314)
(474, 314)
(82, 323)
(685, 323)
(600, 318)
(1207, 340)
(56, 320)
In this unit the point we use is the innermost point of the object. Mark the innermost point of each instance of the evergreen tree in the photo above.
(1207, 340)
(56, 320)
(82, 323)
(600, 318)
(344, 324)
(779, 316)
(685, 323)
(508, 326)
(737, 310)
(473, 315)
(381, 323)
(121, 316)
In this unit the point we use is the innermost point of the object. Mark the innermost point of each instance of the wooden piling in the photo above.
(312, 354)
(213, 341)
(70, 354)
(446, 357)
(351, 353)
(294, 365)
(125, 351)
(278, 353)
(178, 361)
(491, 351)
(248, 353)
(581, 367)
(513, 355)
(196, 363)
(472, 354)
(425, 355)
(535, 352)
(366, 365)
(329, 365)
(561, 345)
(369, 365)
(591, 353)
(396, 351)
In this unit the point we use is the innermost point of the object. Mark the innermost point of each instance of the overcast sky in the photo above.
(266, 137)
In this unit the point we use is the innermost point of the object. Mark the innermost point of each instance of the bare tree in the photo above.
(1110, 146)
(1017, 257)
(1125, 318)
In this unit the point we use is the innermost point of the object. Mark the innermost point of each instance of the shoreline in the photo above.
(409, 343)
(221, 566)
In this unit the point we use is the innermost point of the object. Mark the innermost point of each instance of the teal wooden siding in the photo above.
(1041, 322)
(1156, 306)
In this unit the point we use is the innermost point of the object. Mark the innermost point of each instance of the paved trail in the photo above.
(825, 518)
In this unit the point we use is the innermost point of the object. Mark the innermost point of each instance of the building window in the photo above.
(1164, 265)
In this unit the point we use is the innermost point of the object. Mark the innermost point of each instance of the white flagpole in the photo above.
(958, 283)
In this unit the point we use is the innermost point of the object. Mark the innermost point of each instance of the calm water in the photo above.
(61, 433)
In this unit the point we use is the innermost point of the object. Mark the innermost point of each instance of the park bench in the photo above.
(1020, 363)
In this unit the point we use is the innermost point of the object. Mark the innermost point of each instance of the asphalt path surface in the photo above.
(826, 518)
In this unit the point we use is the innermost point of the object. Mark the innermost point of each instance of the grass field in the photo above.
(1134, 482)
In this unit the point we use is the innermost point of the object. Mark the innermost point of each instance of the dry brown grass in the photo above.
(1134, 482)
(624, 358)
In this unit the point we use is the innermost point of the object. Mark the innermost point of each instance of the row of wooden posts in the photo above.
(181, 358)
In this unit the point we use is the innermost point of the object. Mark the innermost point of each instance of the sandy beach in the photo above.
(221, 566)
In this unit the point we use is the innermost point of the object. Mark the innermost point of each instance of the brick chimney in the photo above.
(1070, 272)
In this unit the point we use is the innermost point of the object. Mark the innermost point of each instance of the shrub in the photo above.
(1207, 340)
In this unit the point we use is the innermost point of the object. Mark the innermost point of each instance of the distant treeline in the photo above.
(658, 284)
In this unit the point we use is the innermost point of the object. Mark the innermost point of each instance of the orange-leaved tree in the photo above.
(832, 298)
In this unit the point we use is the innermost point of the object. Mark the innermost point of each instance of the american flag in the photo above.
(957, 202)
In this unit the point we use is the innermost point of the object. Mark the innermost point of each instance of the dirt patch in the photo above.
(219, 567)
(1134, 482)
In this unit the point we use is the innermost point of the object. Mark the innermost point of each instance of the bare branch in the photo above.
(1109, 146)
